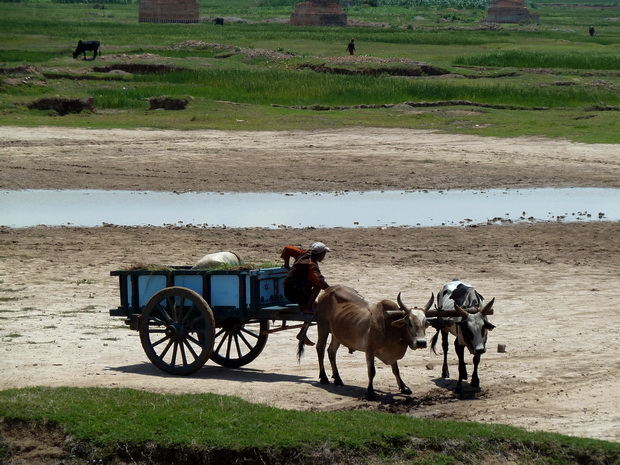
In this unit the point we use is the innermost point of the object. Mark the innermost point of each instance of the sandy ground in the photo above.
(354, 159)
(555, 284)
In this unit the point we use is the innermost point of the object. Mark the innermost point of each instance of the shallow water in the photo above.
(27, 208)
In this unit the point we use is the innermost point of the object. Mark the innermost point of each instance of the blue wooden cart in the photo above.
(187, 316)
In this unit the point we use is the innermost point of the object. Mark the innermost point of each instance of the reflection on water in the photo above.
(275, 210)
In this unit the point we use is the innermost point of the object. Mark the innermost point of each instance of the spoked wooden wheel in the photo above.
(177, 330)
(237, 343)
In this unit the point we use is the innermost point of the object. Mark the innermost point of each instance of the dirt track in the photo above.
(555, 284)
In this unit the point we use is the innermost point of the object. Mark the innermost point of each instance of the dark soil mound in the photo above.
(63, 105)
(167, 103)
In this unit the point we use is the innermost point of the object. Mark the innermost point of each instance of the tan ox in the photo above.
(384, 330)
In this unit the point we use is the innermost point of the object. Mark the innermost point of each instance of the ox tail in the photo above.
(434, 341)
(302, 338)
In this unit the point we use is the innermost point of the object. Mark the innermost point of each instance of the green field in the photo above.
(257, 72)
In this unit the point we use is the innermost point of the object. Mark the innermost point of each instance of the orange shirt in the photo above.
(304, 268)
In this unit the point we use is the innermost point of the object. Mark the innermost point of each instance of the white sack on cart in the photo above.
(217, 259)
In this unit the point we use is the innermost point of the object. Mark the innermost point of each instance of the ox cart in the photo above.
(187, 316)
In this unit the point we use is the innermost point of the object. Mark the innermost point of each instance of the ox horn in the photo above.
(429, 304)
(488, 308)
(402, 305)
(461, 311)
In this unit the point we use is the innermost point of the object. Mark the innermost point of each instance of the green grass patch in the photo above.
(542, 59)
(208, 425)
(28, 56)
(284, 87)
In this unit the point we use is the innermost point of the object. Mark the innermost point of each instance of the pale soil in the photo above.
(555, 284)
(354, 159)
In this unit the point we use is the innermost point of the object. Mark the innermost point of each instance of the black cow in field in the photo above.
(219, 21)
(591, 31)
(84, 46)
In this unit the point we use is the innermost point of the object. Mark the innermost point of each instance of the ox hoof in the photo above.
(324, 381)
(405, 390)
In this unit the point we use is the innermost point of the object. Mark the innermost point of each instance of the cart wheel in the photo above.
(177, 330)
(238, 343)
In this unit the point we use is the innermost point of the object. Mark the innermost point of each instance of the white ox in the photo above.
(384, 330)
(470, 327)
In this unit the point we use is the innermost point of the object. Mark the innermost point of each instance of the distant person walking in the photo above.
(351, 47)
(592, 31)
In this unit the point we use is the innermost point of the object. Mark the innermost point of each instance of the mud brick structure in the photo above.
(168, 11)
(510, 11)
(319, 13)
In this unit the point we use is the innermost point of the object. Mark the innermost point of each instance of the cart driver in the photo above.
(304, 280)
